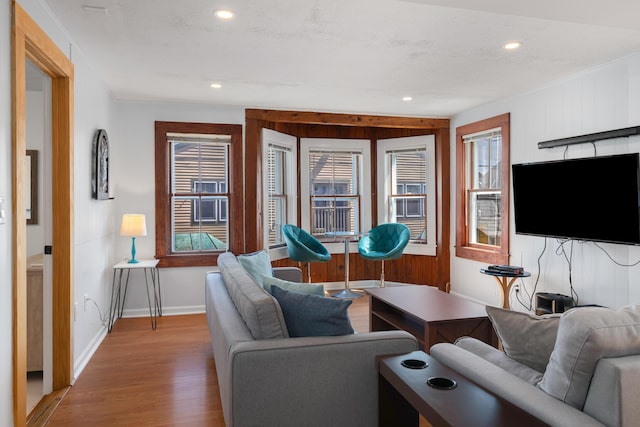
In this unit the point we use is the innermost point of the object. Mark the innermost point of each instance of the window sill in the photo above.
(188, 260)
(487, 256)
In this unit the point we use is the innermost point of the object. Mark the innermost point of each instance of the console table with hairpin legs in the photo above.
(150, 269)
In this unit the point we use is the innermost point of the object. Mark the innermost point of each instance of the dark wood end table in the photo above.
(403, 393)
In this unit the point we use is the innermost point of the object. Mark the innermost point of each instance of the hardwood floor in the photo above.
(166, 377)
(140, 377)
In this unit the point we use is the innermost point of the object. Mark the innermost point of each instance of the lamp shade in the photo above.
(133, 225)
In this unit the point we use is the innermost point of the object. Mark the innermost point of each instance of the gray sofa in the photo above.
(282, 381)
(610, 386)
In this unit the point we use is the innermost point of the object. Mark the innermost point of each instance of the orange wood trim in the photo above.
(19, 238)
(31, 42)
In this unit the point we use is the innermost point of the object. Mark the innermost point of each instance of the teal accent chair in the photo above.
(386, 241)
(303, 247)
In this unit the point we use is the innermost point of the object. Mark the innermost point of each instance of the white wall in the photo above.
(133, 174)
(93, 219)
(600, 99)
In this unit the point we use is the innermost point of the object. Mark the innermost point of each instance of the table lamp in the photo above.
(133, 225)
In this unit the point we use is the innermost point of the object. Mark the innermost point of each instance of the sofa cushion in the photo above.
(259, 310)
(303, 288)
(313, 315)
(585, 336)
(257, 264)
(526, 338)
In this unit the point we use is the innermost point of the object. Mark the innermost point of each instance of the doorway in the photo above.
(30, 42)
(38, 199)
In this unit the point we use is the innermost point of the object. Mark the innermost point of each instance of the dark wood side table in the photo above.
(430, 315)
(403, 393)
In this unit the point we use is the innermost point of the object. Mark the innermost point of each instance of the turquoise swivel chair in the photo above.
(303, 247)
(386, 241)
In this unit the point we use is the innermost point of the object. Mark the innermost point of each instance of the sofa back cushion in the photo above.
(257, 264)
(586, 335)
(259, 310)
(526, 338)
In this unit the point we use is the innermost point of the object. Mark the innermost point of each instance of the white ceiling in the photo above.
(346, 55)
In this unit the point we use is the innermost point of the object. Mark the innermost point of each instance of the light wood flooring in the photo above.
(166, 377)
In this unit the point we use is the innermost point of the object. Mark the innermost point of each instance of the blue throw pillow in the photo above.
(312, 315)
(304, 288)
(257, 264)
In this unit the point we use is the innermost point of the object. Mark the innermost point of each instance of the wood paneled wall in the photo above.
(428, 270)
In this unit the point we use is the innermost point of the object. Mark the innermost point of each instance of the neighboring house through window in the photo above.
(406, 182)
(482, 226)
(335, 174)
(194, 172)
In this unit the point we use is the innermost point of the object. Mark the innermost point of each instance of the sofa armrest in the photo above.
(614, 392)
(290, 274)
(330, 380)
(517, 391)
(500, 359)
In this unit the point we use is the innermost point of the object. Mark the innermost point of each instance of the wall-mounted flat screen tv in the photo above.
(592, 199)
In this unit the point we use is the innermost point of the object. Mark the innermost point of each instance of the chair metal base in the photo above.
(347, 293)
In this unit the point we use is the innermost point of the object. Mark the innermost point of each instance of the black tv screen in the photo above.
(584, 199)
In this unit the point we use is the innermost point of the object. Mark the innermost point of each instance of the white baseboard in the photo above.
(166, 311)
(468, 298)
(82, 360)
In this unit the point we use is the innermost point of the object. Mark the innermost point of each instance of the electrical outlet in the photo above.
(517, 287)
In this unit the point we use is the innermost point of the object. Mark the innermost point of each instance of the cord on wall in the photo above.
(103, 320)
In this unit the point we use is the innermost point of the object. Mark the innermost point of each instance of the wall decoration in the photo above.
(31, 186)
(100, 167)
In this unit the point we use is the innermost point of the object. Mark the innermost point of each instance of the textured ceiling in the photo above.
(348, 55)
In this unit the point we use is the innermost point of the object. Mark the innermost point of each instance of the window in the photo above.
(482, 226)
(280, 186)
(198, 174)
(335, 174)
(406, 178)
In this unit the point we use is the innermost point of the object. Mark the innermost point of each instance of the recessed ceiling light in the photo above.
(512, 45)
(216, 85)
(223, 14)
(407, 98)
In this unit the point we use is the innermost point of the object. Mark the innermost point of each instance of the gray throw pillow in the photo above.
(526, 338)
(585, 336)
(257, 264)
(312, 315)
(304, 288)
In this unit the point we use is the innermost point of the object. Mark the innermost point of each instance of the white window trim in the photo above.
(290, 143)
(428, 142)
(333, 144)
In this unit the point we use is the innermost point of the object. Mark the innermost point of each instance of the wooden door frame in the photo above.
(31, 42)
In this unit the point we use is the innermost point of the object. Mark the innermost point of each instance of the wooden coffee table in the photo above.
(403, 393)
(430, 315)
